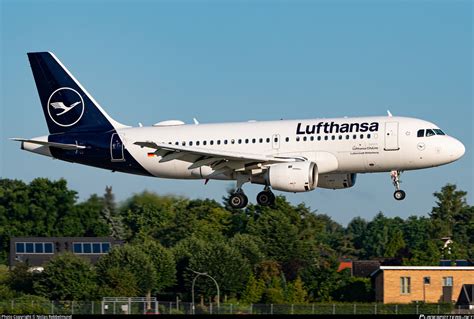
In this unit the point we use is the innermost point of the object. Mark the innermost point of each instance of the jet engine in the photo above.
(290, 177)
(337, 181)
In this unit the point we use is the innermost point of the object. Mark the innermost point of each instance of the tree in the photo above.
(163, 262)
(111, 215)
(296, 293)
(249, 248)
(37, 209)
(131, 259)
(253, 290)
(354, 289)
(21, 280)
(221, 261)
(450, 205)
(67, 277)
(395, 244)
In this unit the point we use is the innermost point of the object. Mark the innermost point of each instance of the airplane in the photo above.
(285, 155)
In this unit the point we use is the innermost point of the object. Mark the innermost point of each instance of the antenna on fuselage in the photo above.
(389, 114)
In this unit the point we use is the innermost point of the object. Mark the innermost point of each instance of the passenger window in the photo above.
(429, 132)
(254, 140)
(368, 135)
(260, 140)
(246, 141)
(319, 138)
(297, 138)
(354, 137)
(176, 143)
(326, 138)
(333, 137)
(420, 133)
(340, 137)
(204, 142)
(304, 138)
(197, 143)
(239, 141)
(361, 136)
(312, 138)
(287, 139)
(347, 137)
(190, 143)
(268, 140)
(232, 141)
(225, 142)
(218, 142)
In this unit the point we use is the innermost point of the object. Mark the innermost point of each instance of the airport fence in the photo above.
(141, 306)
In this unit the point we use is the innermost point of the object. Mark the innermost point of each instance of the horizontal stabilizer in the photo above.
(69, 147)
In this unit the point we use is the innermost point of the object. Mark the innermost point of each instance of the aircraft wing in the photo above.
(221, 161)
(50, 144)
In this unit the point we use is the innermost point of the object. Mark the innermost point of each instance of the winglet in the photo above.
(389, 114)
(196, 122)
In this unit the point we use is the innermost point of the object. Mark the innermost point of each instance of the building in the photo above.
(36, 251)
(431, 284)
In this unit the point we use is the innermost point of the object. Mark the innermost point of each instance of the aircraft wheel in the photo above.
(399, 194)
(238, 200)
(266, 198)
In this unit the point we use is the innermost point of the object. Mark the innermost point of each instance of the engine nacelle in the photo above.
(290, 177)
(336, 181)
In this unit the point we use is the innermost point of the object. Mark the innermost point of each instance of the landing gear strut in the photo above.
(238, 199)
(399, 194)
(266, 197)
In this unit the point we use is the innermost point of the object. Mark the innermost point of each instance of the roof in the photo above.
(344, 265)
(421, 268)
(427, 267)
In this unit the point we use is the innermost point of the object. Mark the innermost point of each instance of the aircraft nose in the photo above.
(456, 149)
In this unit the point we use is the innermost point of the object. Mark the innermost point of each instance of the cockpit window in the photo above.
(429, 133)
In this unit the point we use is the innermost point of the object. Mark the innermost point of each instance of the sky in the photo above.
(226, 61)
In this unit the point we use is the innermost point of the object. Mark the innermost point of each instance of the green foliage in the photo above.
(253, 290)
(128, 258)
(67, 277)
(354, 289)
(26, 305)
(296, 293)
(287, 253)
(221, 261)
(163, 262)
(274, 294)
(21, 280)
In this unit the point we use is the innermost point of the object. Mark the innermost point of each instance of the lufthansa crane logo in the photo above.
(65, 107)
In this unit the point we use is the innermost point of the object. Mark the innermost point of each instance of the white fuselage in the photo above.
(393, 146)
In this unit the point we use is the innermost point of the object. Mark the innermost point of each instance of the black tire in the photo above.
(265, 198)
(238, 200)
(399, 195)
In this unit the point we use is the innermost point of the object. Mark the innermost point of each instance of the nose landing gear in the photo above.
(398, 194)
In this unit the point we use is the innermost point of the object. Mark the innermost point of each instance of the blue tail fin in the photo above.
(67, 106)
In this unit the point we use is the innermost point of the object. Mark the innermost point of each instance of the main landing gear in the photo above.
(266, 197)
(240, 200)
(399, 194)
